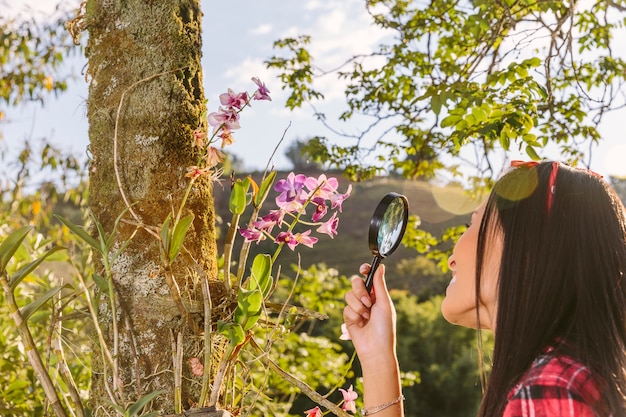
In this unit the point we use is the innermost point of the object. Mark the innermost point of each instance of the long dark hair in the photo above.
(561, 278)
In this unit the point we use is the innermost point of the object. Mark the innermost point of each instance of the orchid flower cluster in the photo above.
(296, 193)
(224, 122)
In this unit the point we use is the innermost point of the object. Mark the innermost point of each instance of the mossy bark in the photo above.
(144, 59)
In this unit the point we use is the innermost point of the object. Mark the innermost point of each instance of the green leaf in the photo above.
(450, 121)
(29, 309)
(11, 244)
(532, 153)
(16, 385)
(118, 408)
(249, 301)
(238, 199)
(81, 233)
(505, 142)
(260, 274)
(479, 114)
(136, 408)
(178, 236)
(248, 307)
(233, 331)
(533, 62)
(23, 272)
(165, 233)
(251, 321)
(264, 189)
(102, 283)
(435, 104)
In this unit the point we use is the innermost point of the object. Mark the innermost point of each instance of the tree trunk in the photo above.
(145, 100)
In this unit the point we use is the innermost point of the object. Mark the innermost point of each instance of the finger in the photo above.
(352, 318)
(364, 269)
(357, 305)
(360, 292)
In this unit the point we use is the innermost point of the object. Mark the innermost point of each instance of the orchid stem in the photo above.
(219, 377)
(208, 306)
(183, 202)
(245, 247)
(228, 248)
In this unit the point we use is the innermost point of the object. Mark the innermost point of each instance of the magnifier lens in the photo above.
(386, 230)
(391, 227)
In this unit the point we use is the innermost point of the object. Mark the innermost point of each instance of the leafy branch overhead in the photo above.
(466, 79)
(31, 54)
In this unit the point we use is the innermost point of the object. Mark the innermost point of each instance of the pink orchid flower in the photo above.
(214, 157)
(321, 209)
(252, 235)
(329, 227)
(199, 136)
(262, 93)
(226, 117)
(232, 99)
(291, 196)
(348, 399)
(305, 239)
(345, 335)
(314, 412)
(194, 172)
(287, 238)
(322, 187)
(336, 200)
(227, 137)
(267, 222)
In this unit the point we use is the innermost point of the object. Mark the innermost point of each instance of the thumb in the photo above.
(380, 286)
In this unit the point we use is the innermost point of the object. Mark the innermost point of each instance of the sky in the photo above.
(237, 37)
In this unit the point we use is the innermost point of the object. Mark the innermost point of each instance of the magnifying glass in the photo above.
(386, 230)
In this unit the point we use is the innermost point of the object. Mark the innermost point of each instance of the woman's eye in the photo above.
(467, 225)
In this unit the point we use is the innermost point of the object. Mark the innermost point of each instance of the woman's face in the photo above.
(459, 306)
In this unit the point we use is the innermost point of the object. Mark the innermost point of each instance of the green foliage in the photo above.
(439, 364)
(135, 409)
(172, 237)
(260, 277)
(238, 196)
(419, 275)
(466, 79)
(298, 73)
(307, 348)
(30, 55)
(443, 355)
(264, 189)
(33, 306)
(39, 277)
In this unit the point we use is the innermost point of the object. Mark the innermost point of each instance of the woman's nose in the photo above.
(451, 263)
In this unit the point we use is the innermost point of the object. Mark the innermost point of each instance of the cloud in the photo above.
(262, 29)
(339, 31)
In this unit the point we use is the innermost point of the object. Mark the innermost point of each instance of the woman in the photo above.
(541, 265)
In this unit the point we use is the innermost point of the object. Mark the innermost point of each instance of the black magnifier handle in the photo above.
(369, 281)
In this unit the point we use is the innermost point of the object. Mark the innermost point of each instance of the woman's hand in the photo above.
(371, 318)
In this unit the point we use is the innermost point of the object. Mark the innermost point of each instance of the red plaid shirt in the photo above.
(555, 385)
